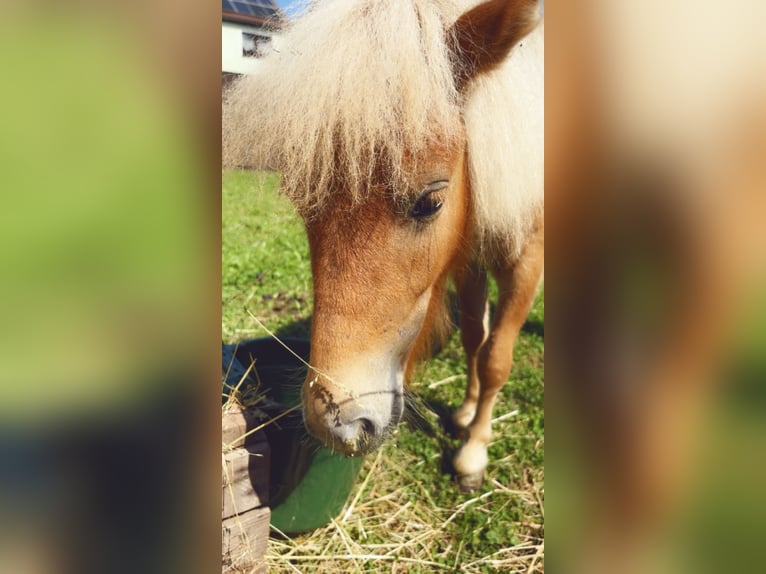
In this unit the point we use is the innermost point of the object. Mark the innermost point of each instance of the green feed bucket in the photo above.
(309, 484)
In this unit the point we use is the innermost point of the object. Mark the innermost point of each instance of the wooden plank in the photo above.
(236, 422)
(245, 539)
(245, 479)
(233, 427)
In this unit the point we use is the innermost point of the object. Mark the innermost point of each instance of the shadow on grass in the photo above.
(534, 328)
(444, 432)
(295, 330)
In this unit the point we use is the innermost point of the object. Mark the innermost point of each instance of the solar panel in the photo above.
(257, 8)
(243, 8)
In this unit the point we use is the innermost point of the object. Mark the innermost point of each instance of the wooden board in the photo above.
(236, 424)
(246, 462)
(245, 488)
(245, 479)
(244, 541)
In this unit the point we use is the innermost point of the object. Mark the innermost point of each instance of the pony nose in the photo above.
(350, 429)
(359, 435)
(360, 430)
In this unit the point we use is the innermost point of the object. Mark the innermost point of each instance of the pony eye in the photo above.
(429, 203)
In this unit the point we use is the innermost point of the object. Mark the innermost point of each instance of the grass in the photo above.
(405, 513)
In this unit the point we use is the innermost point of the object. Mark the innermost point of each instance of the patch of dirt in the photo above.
(284, 302)
(293, 307)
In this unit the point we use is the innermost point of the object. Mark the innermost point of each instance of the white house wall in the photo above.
(231, 47)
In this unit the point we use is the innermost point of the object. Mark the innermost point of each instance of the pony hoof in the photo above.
(470, 482)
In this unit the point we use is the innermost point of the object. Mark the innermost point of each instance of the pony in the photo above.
(409, 137)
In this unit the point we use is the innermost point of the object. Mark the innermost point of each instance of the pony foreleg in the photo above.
(474, 327)
(517, 285)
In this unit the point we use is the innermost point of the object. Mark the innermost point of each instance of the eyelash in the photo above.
(429, 202)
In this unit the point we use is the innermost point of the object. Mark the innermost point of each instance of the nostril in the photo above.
(368, 427)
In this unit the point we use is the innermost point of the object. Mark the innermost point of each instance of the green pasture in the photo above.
(405, 513)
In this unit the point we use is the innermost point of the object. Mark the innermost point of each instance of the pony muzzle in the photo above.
(346, 424)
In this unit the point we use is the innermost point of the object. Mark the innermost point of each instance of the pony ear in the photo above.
(482, 37)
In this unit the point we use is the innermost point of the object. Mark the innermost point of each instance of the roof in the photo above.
(260, 12)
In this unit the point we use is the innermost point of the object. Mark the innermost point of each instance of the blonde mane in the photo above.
(359, 85)
(504, 120)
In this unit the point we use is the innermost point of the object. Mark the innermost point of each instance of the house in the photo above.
(248, 28)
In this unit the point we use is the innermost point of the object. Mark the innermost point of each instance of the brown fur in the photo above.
(354, 260)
